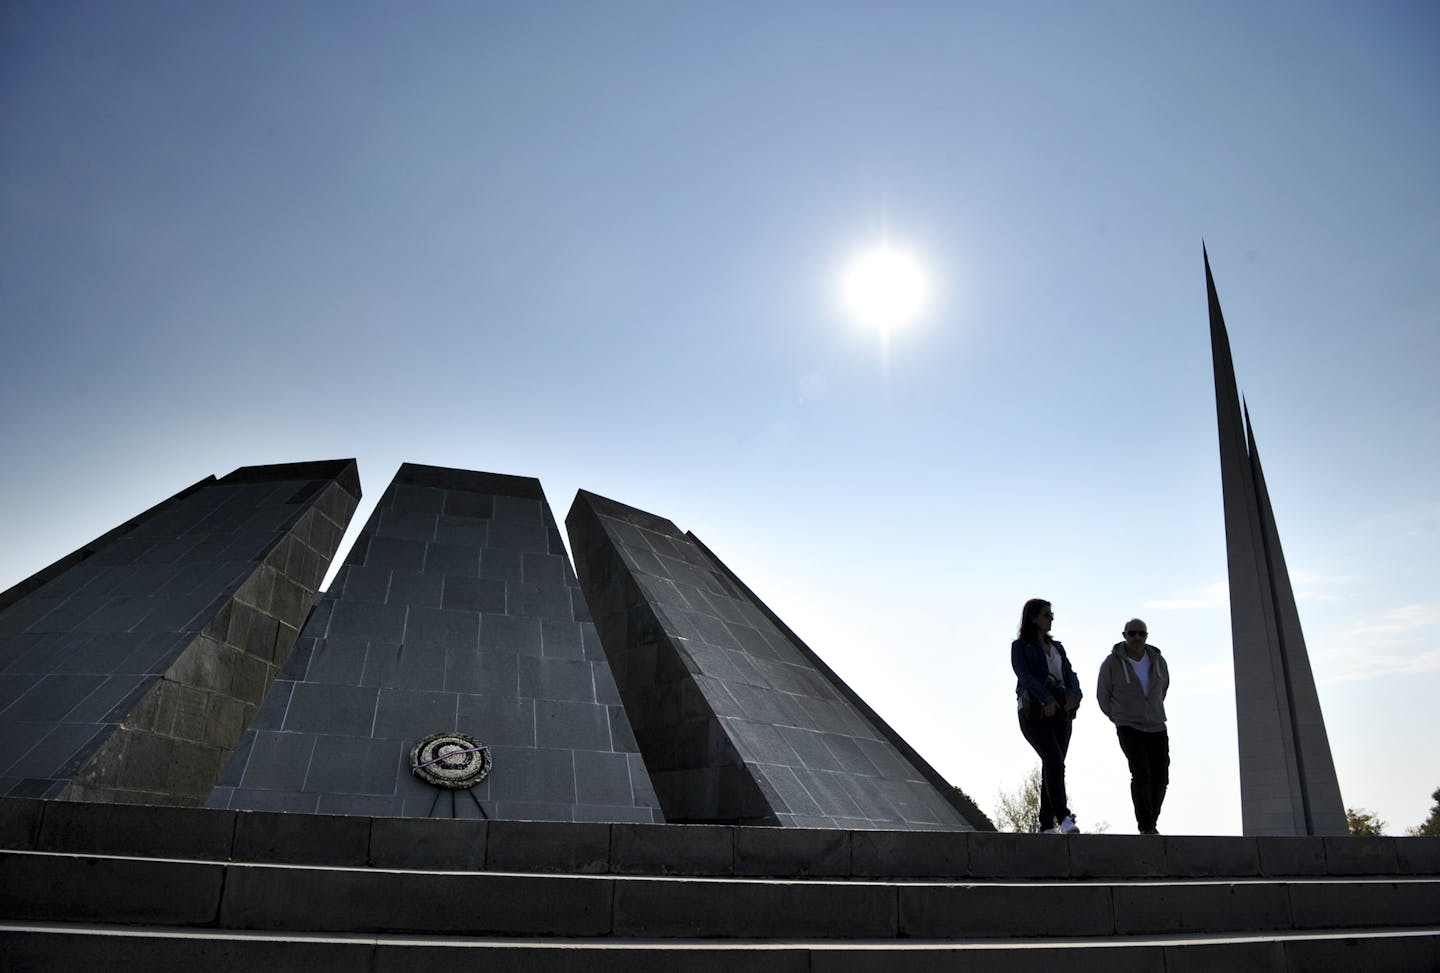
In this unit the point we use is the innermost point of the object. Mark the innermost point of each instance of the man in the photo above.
(1133, 682)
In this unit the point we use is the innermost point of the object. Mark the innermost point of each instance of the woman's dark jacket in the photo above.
(1028, 661)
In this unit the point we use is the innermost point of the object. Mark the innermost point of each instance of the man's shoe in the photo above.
(1149, 831)
(1067, 825)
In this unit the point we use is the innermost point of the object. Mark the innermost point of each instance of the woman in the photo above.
(1048, 695)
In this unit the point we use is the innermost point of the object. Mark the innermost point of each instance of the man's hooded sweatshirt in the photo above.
(1120, 696)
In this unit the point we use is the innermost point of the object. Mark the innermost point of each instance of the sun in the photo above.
(885, 287)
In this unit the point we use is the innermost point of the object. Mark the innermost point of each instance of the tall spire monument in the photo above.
(1287, 777)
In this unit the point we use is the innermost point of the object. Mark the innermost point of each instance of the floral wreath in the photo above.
(450, 760)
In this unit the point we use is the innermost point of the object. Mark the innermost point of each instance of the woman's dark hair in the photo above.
(1029, 631)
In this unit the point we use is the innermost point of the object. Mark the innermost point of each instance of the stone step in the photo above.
(118, 949)
(698, 850)
(48, 886)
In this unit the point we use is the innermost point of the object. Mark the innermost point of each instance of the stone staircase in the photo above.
(120, 887)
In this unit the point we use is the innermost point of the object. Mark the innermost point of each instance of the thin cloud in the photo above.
(1312, 587)
(1415, 521)
(1396, 627)
(1356, 666)
(1312, 597)
(1213, 677)
(1308, 586)
(1311, 577)
(1208, 596)
(1376, 647)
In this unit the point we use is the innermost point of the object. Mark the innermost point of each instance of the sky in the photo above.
(601, 244)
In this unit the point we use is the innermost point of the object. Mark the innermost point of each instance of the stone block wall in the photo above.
(130, 668)
(456, 611)
(739, 721)
(1288, 784)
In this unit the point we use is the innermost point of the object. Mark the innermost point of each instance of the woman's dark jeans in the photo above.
(1050, 738)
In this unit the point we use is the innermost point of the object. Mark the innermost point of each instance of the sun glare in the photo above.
(885, 288)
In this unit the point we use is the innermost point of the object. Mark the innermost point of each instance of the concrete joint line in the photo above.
(623, 944)
(218, 920)
(1337, 881)
(613, 925)
(39, 833)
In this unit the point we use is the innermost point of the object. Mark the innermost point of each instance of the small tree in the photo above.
(1431, 826)
(1364, 823)
(1019, 810)
(977, 817)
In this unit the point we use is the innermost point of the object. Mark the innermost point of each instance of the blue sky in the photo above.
(599, 243)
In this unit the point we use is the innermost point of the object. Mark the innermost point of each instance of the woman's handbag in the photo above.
(1034, 709)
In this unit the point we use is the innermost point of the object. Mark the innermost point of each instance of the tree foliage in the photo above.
(1431, 826)
(977, 817)
(1019, 810)
(1364, 823)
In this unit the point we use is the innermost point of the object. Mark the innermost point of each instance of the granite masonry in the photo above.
(739, 721)
(1288, 784)
(457, 610)
(130, 668)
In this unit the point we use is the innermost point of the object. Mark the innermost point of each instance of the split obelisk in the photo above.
(1287, 777)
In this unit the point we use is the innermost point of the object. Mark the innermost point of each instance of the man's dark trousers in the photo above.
(1149, 757)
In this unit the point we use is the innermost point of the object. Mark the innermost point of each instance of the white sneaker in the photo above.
(1067, 826)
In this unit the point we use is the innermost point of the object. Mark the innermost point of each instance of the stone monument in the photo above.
(131, 667)
(456, 624)
(739, 721)
(1287, 777)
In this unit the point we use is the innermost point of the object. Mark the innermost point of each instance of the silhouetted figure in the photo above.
(1133, 682)
(1047, 696)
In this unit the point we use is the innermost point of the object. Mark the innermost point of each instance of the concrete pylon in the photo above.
(740, 722)
(1287, 777)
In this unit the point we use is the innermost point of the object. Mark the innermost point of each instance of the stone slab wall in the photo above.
(739, 721)
(457, 610)
(129, 669)
(1288, 784)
